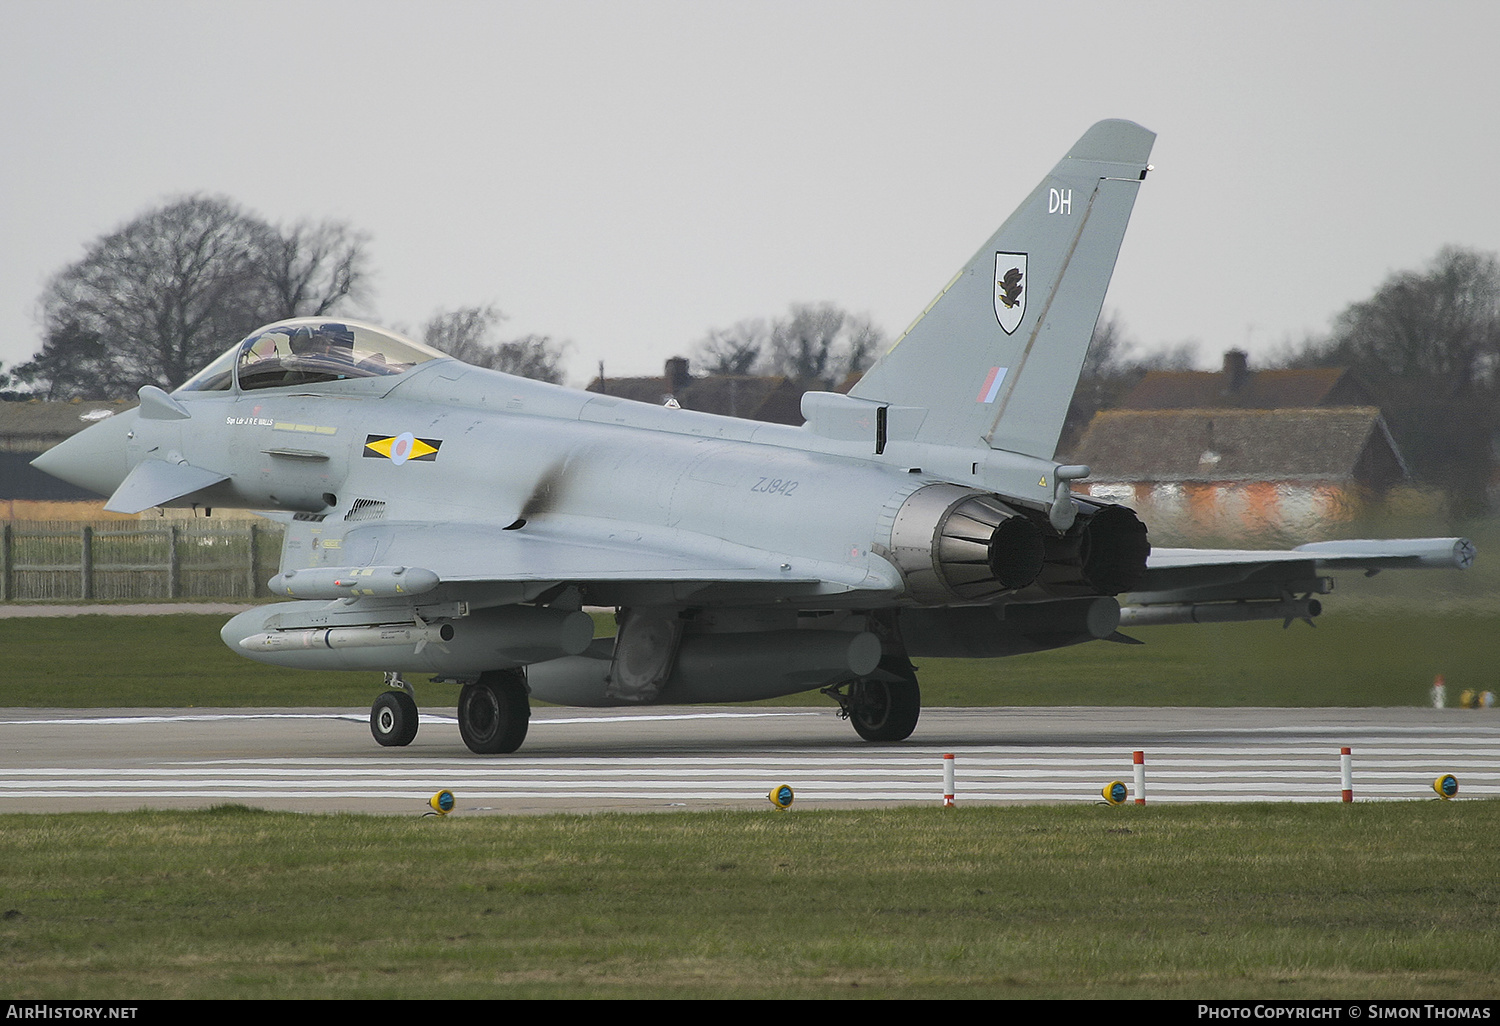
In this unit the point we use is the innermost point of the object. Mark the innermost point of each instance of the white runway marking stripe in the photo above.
(556, 771)
(1213, 776)
(1296, 762)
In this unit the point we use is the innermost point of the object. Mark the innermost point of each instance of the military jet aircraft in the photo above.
(450, 520)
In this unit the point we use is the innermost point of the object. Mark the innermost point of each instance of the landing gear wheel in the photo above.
(884, 710)
(393, 719)
(494, 712)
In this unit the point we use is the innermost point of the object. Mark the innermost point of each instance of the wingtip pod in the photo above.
(1434, 553)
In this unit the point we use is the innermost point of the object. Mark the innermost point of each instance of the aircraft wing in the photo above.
(1168, 569)
(1216, 585)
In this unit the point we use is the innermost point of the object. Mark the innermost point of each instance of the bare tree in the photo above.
(156, 299)
(1107, 348)
(167, 292)
(822, 342)
(815, 342)
(1427, 343)
(802, 344)
(11, 386)
(735, 350)
(1107, 375)
(464, 333)
(312, 268)
(530, 356)
(75, 363)
(1440, 325)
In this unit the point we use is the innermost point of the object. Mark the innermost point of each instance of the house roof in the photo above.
(1264, 390)
(1328, 444)
(35, 425)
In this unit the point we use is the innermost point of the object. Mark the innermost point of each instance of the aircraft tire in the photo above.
(393, 719)
(885, 710)
(494, 712)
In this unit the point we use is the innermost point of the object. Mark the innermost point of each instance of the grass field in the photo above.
(1387, 900)
(1362, 656)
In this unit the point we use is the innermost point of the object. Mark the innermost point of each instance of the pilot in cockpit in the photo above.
(333, 342)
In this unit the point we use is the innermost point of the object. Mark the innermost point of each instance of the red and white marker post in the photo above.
(1346, 772)
(948, 781)
(1140, 777)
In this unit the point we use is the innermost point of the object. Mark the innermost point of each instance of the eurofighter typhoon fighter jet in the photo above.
(454, 521)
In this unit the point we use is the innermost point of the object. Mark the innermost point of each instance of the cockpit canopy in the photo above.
(309, 350)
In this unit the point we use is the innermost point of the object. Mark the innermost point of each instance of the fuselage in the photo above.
(445, 442)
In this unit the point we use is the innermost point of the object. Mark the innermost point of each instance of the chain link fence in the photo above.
(65, 560)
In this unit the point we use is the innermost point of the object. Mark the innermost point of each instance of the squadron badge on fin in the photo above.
(1010, 290)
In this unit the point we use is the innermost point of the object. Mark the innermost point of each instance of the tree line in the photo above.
(160, 297)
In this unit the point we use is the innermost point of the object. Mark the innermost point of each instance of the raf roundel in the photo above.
(402, 448)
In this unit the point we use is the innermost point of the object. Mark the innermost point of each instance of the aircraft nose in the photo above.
(97, 458)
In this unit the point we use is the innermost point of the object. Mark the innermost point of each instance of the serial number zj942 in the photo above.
(774, 486)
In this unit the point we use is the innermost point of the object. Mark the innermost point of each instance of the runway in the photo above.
(324, 760)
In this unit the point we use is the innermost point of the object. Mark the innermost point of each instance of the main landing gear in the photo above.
(493, 713)
(884, 706)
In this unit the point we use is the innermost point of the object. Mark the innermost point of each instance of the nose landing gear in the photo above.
(393, 717)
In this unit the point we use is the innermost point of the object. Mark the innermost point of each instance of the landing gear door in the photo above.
(645, 654)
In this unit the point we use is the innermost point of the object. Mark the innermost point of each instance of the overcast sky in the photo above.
(627, 175)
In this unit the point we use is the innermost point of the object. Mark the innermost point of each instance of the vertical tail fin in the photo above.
(995, 358)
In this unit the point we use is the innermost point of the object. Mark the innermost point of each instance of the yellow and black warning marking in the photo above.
(402, 448)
